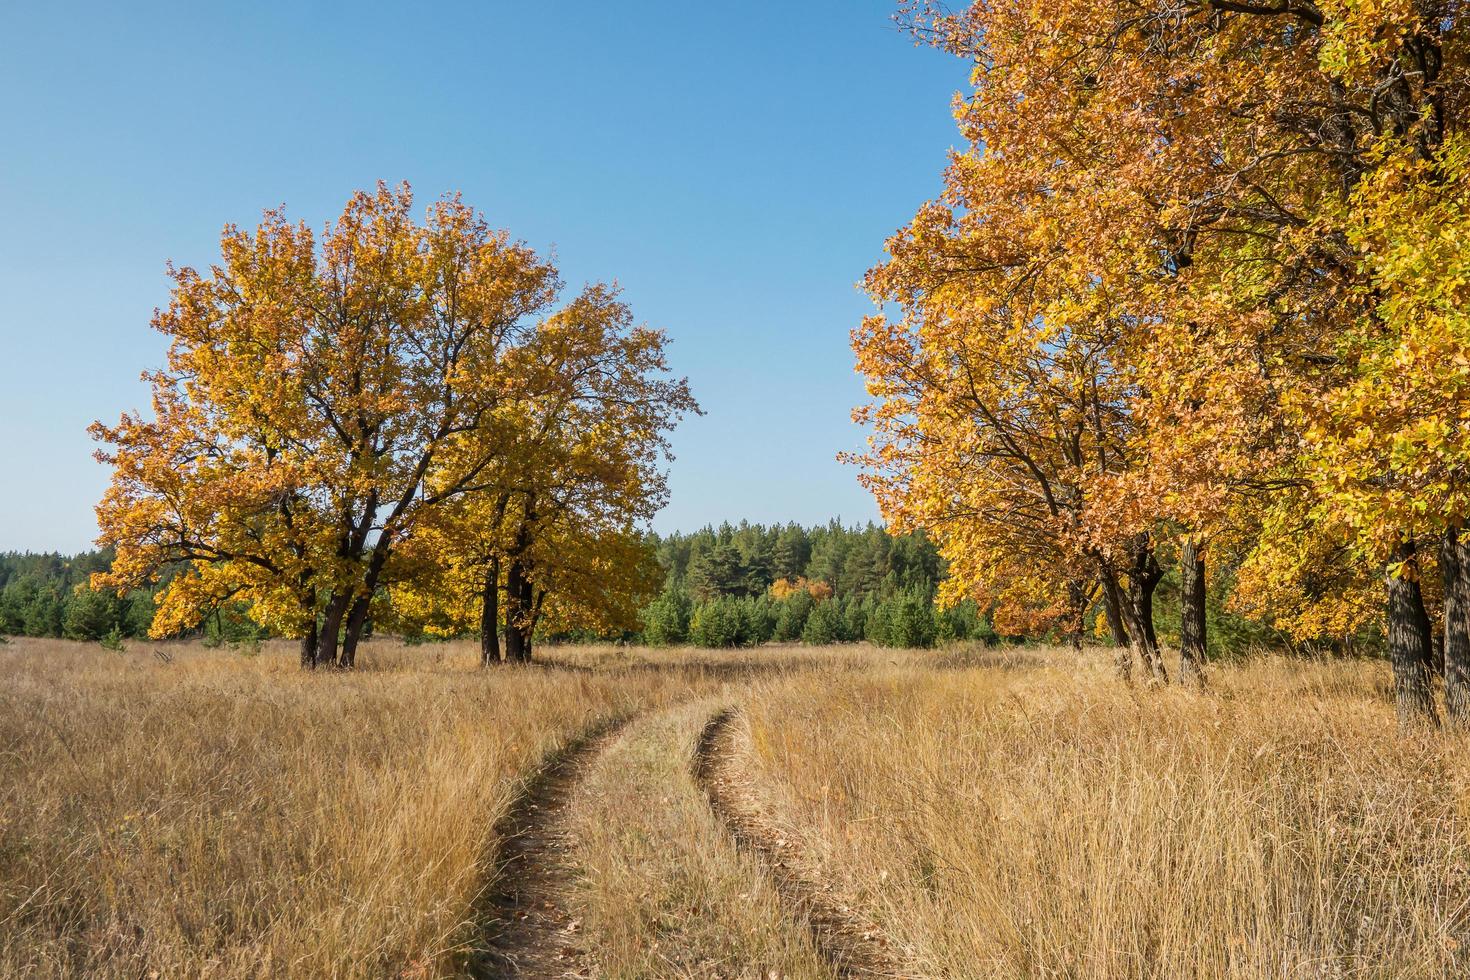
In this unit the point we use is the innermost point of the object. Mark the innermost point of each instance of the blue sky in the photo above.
(735, 166)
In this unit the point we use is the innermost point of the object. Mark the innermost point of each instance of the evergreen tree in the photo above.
(91, 615)
(855, 617)
(793, 616)
(866, 564)
(755, 559)
(758, 620)
(912, 622)
(824, 625)
(666, 620)
(962, 622)
(717, 572)
(792, 552)
(718, 623)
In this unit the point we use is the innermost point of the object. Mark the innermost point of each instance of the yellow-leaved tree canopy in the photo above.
(1194, 282)
(340, 413)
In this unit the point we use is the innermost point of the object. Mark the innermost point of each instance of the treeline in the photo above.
(50, 595)
(725, 587)
(735, 585)
(750, 584)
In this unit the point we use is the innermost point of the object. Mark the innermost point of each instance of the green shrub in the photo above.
(913, 621)
(666, 619)
(791, 621)
(230, 624)
(43, 614)
(960, 622)
(879, 624)
(824, 625)
(731, 622)
(92, 615)
(855, 615)
(717, 623)
(905, 619)
(139, 615)
(758, 620)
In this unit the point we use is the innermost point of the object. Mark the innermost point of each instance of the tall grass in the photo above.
(223, 814)
(664, 891)
(1050, 822)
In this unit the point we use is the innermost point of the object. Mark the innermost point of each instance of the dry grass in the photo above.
(1048, 822)
(665, 893)
(224, 815)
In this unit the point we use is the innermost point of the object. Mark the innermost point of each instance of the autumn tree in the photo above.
(1218, 171)
(554, 525)
(992, 421)
(323, 400)
(589, 476)
(1077, 208)
(1003, 393)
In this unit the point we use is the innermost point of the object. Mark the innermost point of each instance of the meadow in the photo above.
(172, 810)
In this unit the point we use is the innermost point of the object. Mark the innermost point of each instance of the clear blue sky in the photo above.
(736, 166)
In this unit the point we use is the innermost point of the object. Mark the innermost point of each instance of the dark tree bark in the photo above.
(1454, 564)
(531, 612)
(309, 644)
(1410, 646)
(517, 614)
(1138, 615)
(1077, 601)
(1138, 610)
(358, 615)
(490, 616)
(1113, 609)
(535, 600)
(1191, 614)
(356, 620)
(520, 612)
(331, 628)
(309, 634)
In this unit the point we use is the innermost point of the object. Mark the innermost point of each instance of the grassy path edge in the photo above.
(851, 947)
(529, 931)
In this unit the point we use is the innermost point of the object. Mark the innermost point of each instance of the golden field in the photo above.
(991, 814)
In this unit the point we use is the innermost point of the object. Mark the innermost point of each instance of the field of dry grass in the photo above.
(1036, 819)
(991, 815)
(225, 815)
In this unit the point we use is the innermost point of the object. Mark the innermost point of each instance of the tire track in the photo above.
(530, 934)
(851, 948)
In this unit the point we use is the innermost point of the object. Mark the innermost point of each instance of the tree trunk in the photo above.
(326, 644)
(490, 616)
(1454, 564)
(356, 619)
(1409, 643)
(536, 600)
(308, 616)
(1191, 614)
(1077, 602)
(1138, 613)
(308, 646)
(517, 615)
(520, 614)
(530, 612)
(1113, 609)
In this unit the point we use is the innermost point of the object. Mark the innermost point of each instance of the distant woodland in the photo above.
(733, 585)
